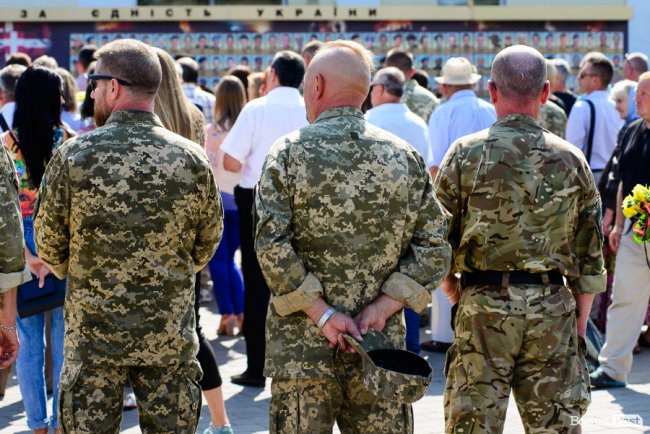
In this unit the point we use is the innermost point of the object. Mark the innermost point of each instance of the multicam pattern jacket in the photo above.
(523, 199)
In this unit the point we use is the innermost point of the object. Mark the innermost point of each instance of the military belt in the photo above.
(517, 277)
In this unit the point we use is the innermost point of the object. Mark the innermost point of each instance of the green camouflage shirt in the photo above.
(129, 212)
(552, 118)
(345, 211)
(419, 100)
(13, 269)
(523, 199)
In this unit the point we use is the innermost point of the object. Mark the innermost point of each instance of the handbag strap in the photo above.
(592, 127)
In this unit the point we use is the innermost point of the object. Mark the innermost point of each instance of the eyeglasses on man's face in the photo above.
(584, 74)
(92, 79)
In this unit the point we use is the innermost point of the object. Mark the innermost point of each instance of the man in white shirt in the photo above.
(259, 125)
(394, 116)
(202, 99)
(463, 113)
(595, 75)
(9, 76)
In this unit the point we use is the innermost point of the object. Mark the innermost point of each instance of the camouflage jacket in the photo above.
(13, 269)
(419, 100)
(345, 211)
(129, 212)
(523, 199)
(552, 118)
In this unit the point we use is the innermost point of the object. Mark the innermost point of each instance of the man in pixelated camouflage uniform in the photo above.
(418, 99)
(129, 212)
(349, 233)
(13, 269)
(552, 117)
(526, 215)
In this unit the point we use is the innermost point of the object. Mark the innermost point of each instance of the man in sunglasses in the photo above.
(129, 213)
(594, 123)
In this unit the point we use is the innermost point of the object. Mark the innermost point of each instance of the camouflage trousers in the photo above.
(521, 338)
(90, 397)
(311, 406)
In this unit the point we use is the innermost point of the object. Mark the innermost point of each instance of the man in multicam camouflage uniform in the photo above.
(349, 233)
(551, 116)
(129, 212)
(526, 215)
(418, 99)
(13, 269)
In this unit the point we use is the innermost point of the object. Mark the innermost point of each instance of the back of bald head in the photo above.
(519, 73)
(346, 67)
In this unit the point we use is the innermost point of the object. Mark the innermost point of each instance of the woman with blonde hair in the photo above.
(179, 115)
(228, 285)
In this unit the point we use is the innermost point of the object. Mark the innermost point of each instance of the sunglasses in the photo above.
(586, 74)
(92, 78)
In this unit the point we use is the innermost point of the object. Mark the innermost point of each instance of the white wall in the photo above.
(639, 31)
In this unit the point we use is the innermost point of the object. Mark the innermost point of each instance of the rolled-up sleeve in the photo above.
(426, 260)
(13, 269)
(293, 287)
(589, 244)
(52, 216)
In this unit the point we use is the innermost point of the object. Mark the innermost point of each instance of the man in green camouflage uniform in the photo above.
(349, 233)
(526, 216)
(552, 117)
(129, 213)
(13, 269)
(418, 99)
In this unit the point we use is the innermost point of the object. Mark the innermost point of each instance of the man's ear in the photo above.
(545, 92)
(320, 85)
(492, 89)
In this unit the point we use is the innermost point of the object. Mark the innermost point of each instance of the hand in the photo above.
(371, 317)
(608, 221)
(8, 348)
(38, 268)
(615, 238)
(449, 287)
(338, 325)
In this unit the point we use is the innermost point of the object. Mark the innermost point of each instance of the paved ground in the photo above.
(248, 407)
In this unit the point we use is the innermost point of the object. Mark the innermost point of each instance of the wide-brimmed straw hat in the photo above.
(458, 71)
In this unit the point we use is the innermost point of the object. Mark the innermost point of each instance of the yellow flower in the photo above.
(629, 207)
(640, 193)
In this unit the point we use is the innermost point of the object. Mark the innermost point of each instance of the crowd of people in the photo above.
(353, 195)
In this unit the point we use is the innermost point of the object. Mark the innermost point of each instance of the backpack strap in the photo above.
(592, 127)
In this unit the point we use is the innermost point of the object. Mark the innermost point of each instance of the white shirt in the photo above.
(608, 123)
(396, 118)
(8, 112)
(463, 113)
(261, 122)
(201, 98)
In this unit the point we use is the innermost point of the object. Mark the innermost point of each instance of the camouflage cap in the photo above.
(394, 375)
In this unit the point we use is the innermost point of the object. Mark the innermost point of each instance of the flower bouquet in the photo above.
(637, 205)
